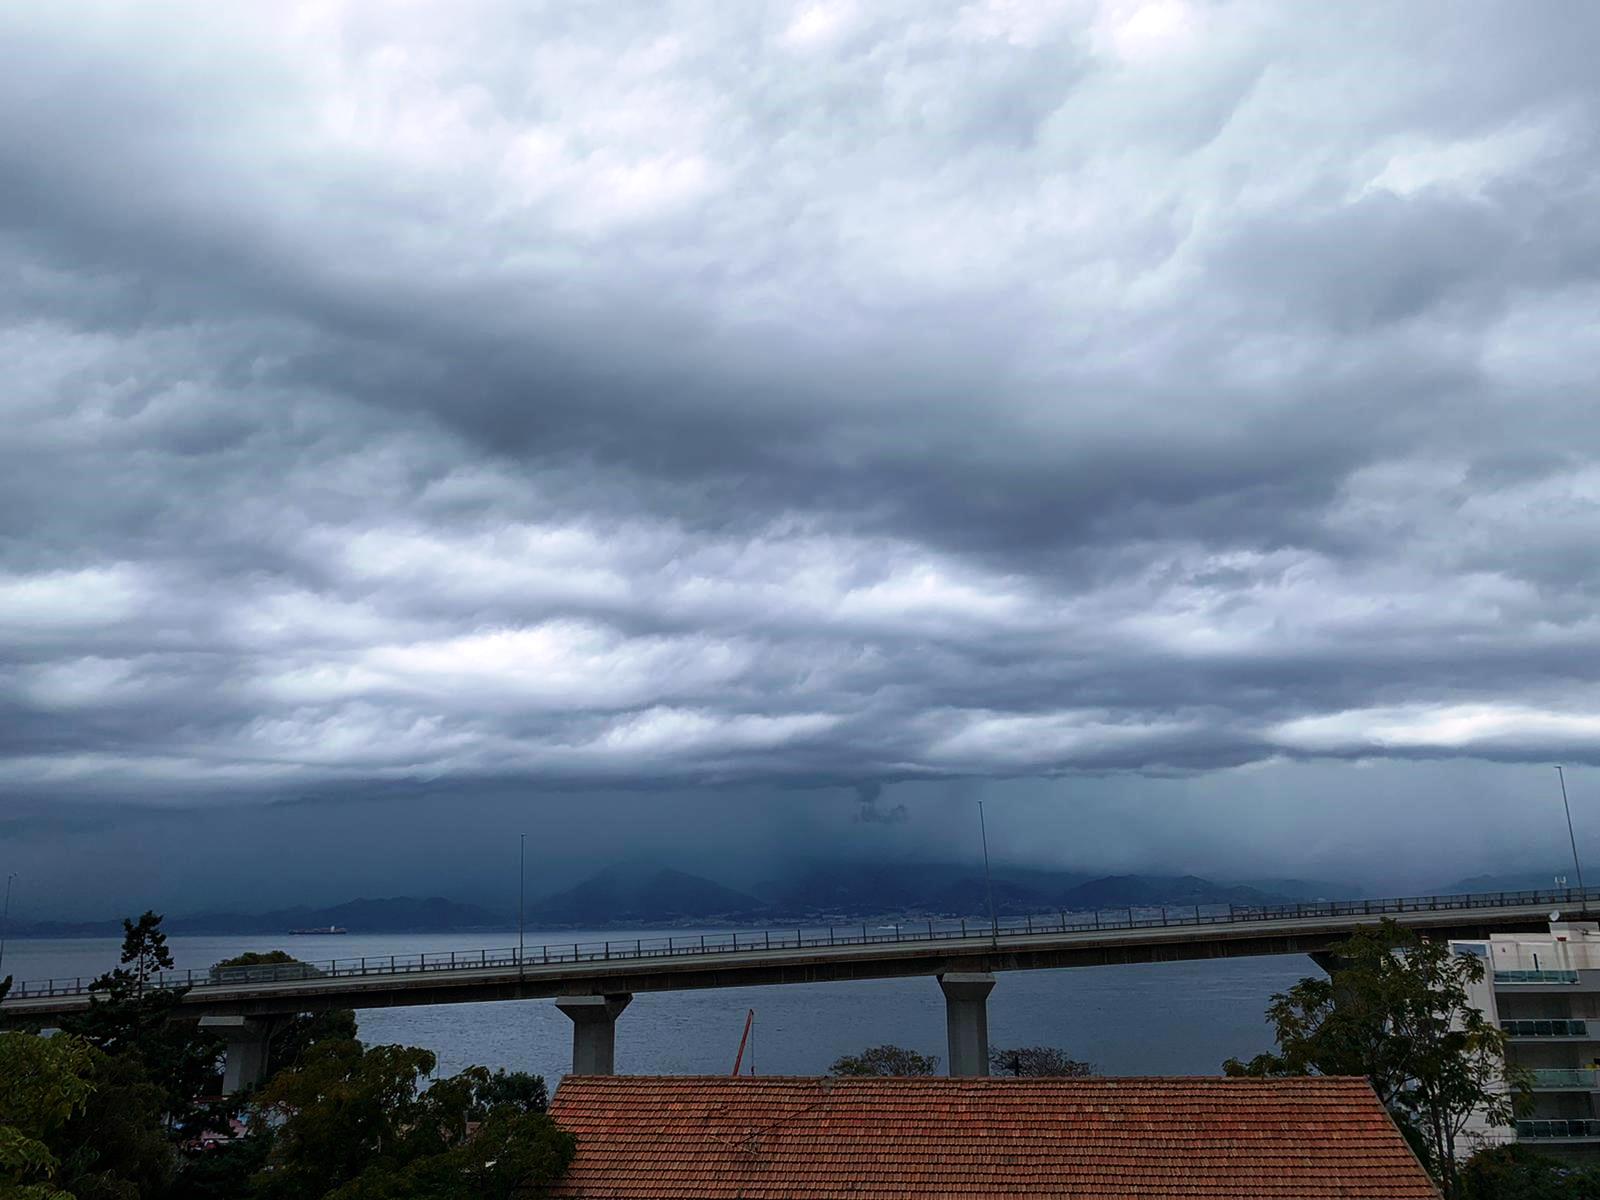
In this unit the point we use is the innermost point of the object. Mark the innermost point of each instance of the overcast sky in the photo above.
(1175, 420)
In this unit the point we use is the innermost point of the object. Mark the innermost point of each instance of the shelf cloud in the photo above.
(816, 395)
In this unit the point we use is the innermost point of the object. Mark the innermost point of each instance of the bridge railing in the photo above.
(816, 936)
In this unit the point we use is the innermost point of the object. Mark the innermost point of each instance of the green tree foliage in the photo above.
(268, 958)
(83, 1124)
(298, 1034)
(1521, 1173)
(1395, 1010)
(122, 1145)
(1037, 1061)
(221, 1171)
(513, 1091)
(128, 1016)
(108, 1110)
(260, 958)
(885, 1060)
(357, 1124)
(43, 1083)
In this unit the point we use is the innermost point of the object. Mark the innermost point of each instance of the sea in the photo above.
(1180, 1018)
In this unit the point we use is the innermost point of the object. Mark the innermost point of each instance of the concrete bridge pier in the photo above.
(247, 1040)
(966, 1010)
(594, 1031)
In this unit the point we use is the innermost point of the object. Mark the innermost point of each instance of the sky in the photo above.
(738, 432)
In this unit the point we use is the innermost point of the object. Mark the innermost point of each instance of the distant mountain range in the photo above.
(653, 895)
(622, 894)
(1515, 881)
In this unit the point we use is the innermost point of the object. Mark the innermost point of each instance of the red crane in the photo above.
(749, 1020)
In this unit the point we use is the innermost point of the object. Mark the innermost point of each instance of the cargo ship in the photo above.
(320, 930)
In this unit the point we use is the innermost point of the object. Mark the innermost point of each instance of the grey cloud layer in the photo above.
(827, 394)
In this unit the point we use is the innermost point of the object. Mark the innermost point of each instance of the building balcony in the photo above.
(1536, 977)
(1540, 1131)
(1572, 1030)
(1560, 1080)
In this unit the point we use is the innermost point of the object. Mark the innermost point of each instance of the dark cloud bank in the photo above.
(1177, 420)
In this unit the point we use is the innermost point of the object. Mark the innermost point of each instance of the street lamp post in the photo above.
(988, 883)
(522, 889)
(1571, 837)
(5, 922)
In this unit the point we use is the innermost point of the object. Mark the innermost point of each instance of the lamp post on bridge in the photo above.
(988, 883)
(522, 888)
(5, 922)
(1572, 838)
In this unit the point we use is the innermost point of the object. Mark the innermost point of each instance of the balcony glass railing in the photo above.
(1559, 1078)
(1545, 1028)
(1536, 977)
(1536, 1130)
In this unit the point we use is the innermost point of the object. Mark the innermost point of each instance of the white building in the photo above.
(1543, 989)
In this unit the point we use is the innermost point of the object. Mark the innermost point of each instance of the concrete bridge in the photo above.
(593, 982)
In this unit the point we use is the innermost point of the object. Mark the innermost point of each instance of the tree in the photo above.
(43, 1082)
(1038, 1061)
(1395, 1010)
(885, 1060)
(78, 1123)
(1521, 1173)
(513, 1091)
(269, 958)
(144, 953)
(127, 1016)
(355, 1123)
(123, 1144)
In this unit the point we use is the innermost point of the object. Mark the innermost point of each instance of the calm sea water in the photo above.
(1159, 1019)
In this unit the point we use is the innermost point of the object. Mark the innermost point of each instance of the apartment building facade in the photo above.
(1543, 990)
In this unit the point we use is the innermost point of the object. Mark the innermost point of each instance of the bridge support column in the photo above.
(594, 1031)
(245, 1065)
(966, 1010)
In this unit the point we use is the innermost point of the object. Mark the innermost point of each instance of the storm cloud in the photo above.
(826, 395)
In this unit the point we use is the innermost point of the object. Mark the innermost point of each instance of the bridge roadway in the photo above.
(593, 982)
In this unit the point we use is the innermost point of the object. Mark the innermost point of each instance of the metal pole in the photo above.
(1571, 837)
(522, 889)
(5, 921)
(988, 883)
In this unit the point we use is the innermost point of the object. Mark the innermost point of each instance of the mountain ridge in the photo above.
(648, 894)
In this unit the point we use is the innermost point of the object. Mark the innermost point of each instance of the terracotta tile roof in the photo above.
(720, 1138)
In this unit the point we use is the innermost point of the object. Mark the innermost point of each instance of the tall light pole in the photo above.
(988, 883)
(522, 890)
(5, 921)
(1571, 837)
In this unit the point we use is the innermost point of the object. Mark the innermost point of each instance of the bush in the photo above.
(254, 966)
(1035, 1061)
(885, 1060)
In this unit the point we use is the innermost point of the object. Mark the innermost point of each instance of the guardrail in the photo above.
(1580, 1079)
(803, 938)
(1540, 1130)
(1541, 1029)
(1536, 977)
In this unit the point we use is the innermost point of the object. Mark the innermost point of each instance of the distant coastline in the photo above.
(658, 898)
(650, 897)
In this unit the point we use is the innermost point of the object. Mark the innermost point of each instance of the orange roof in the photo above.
(720, 1138)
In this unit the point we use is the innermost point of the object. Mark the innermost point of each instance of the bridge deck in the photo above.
(773, 957)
